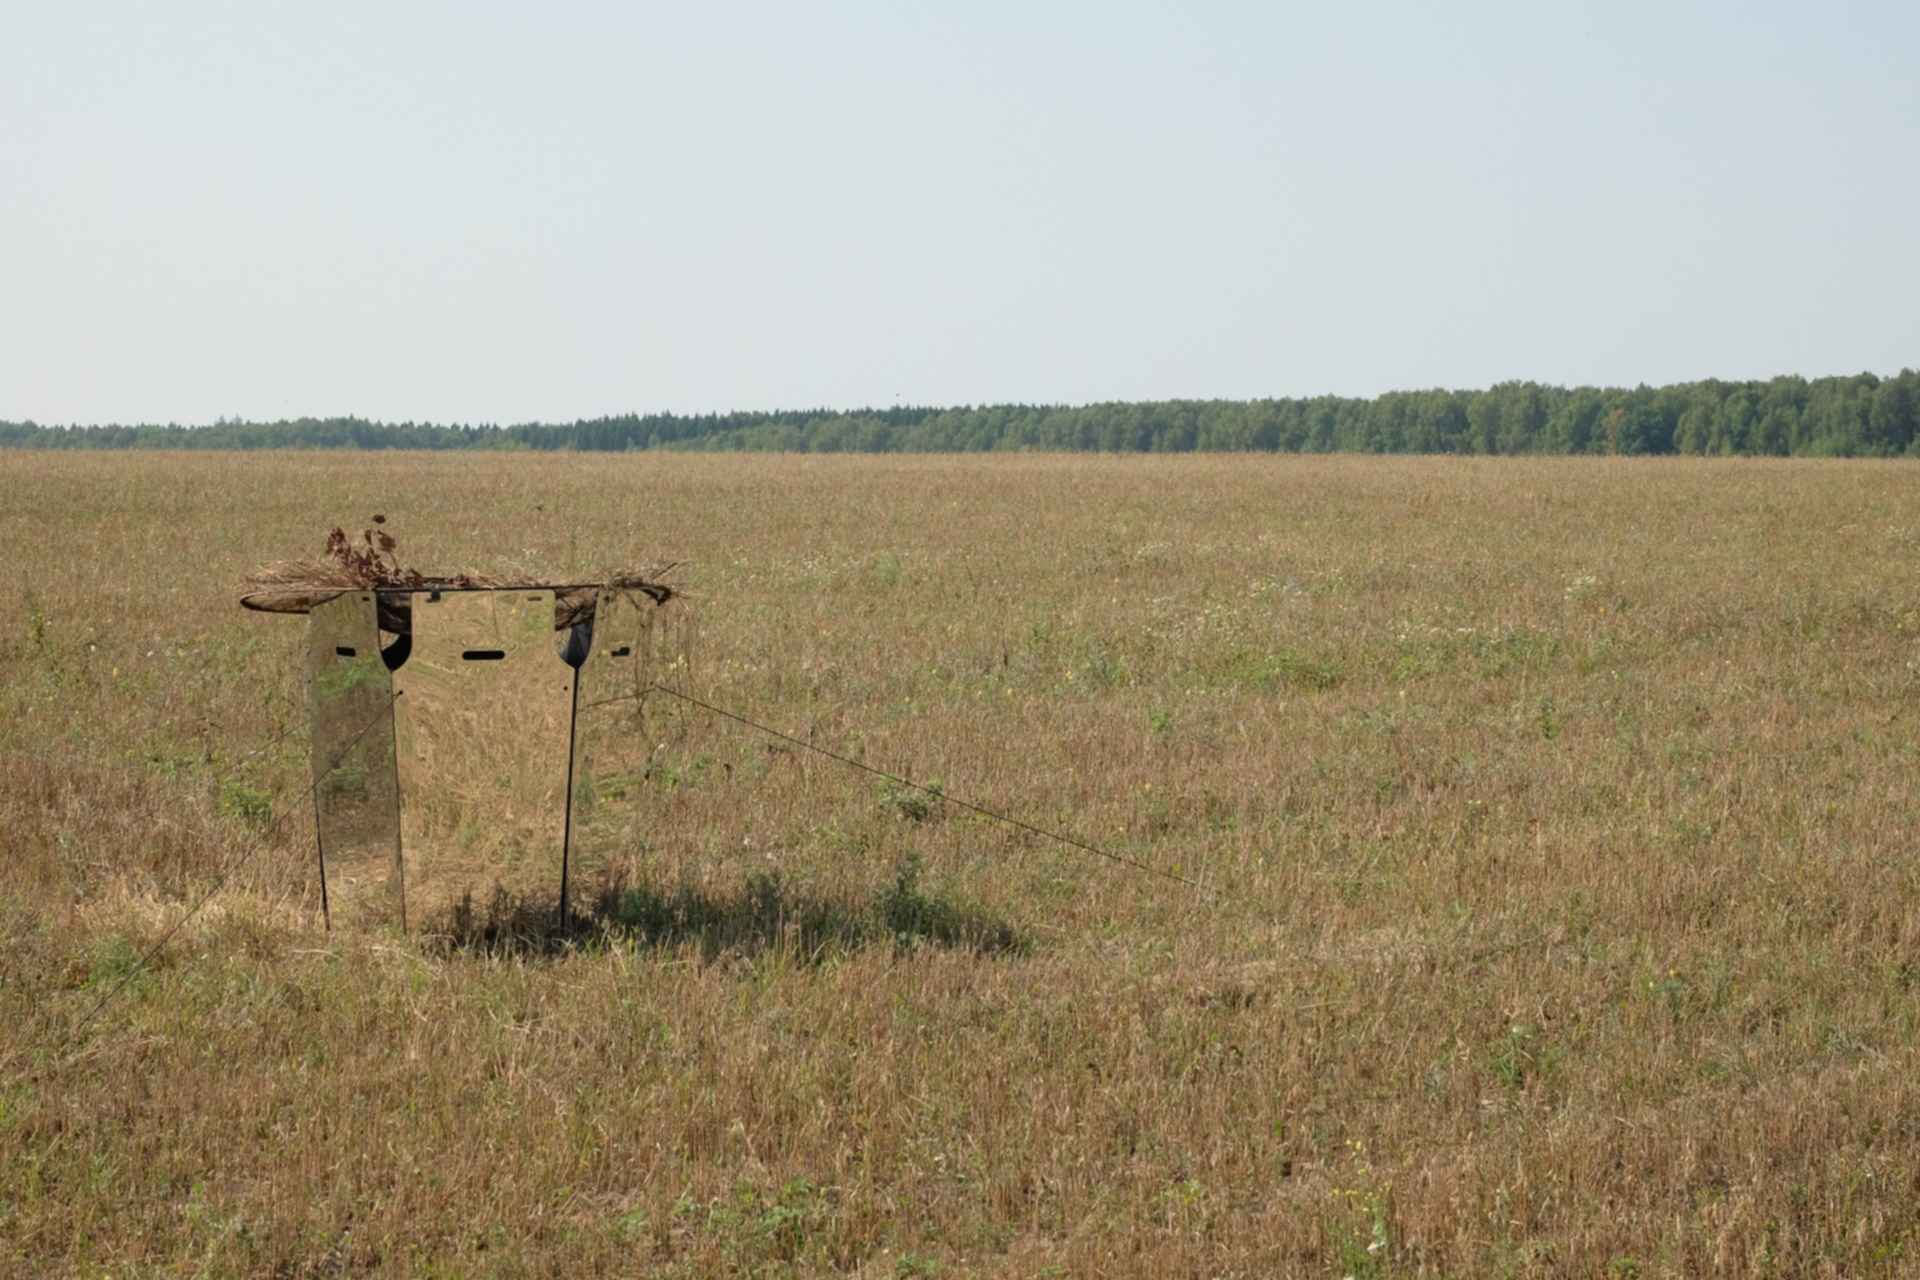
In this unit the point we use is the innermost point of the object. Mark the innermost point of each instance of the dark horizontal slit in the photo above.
(343, 651)
(622, 651)
(484, 655)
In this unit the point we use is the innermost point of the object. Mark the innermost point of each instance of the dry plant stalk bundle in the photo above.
(373, 562)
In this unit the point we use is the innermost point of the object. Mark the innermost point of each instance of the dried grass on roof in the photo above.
(372, 563)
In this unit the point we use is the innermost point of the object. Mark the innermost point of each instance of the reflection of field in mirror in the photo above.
(622, 725)
(356, 799)
(483, 725)
(1557, 817)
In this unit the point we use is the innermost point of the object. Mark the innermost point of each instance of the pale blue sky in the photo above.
(502, 212)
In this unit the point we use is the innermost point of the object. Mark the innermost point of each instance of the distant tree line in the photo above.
(1864, 415)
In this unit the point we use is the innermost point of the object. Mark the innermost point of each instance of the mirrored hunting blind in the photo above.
(471, 740)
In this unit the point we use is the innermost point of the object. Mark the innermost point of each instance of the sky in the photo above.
(506, 212)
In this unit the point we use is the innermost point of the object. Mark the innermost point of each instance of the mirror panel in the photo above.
(611, 748)
(356, 799)
(666, 659)
(483, 735)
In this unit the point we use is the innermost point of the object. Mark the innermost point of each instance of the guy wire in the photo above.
(1069, 841)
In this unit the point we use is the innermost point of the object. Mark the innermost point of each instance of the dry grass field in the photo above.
(1556, 822)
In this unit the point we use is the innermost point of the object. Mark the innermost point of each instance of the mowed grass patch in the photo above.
(1560, 912)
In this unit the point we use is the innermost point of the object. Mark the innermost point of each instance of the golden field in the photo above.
(1560, 907)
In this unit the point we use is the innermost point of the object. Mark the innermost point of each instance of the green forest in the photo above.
(1863, 415)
